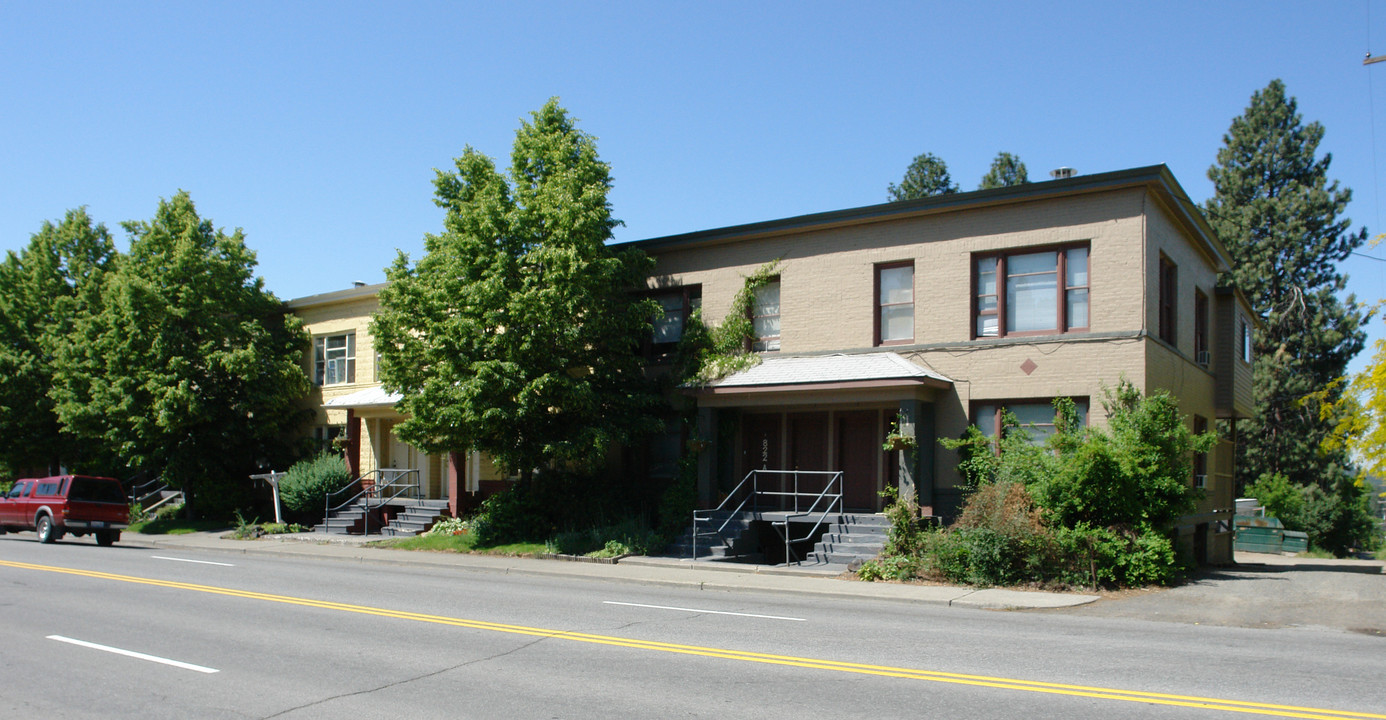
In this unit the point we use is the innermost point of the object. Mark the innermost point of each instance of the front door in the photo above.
(857, 452)
(808, 450)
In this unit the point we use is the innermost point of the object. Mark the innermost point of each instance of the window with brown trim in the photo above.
(334, 359)
(1036, 417)
(668, 327)
(1202, 356)
(765, 317)
(1030, 293)
(895, 303)
(1169, 283)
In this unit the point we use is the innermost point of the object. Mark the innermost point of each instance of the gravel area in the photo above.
(1265, 591)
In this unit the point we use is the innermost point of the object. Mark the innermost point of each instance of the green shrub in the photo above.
(625, 538)
(303, 490)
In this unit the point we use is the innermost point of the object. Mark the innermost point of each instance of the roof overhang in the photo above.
(374, 397)
(1154, 179)
(823, 378)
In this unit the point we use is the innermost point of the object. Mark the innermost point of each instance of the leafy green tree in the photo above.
(43, 289)
(516, 332)
(1279, 217)
(1006, 170)
(927, 175)
(190, 368)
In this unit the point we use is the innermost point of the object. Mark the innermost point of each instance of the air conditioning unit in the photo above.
(1200, 481)
(1204, 358)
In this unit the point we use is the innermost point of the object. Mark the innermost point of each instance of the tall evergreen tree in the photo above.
(927, 175)
(190, 368)
(43, 289)
(515, 334)
(1006, 170)
(1279, 216)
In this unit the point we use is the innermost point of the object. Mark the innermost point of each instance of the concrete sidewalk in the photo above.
(703, 575)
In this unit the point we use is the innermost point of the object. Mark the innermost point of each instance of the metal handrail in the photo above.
(138, 492)
(834, 501)
(751, 477)
(392, 485)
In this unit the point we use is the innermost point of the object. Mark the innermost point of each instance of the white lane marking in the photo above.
(200, 562)
(133, 654)
(708, 612)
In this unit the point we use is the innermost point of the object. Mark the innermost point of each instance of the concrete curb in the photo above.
(642, 570)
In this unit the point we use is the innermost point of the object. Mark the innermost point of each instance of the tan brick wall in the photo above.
(827, 277)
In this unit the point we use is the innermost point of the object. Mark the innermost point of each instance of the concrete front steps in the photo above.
(416, 518)
(854, 538)
(409, 517)
(846, 538)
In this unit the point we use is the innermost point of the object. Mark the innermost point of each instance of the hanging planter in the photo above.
(897, 440)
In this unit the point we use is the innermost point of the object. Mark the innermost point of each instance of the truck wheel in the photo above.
(47, 531)
(107, 538)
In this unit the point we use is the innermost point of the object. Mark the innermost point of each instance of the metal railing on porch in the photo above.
(794, 503)
(374, 489)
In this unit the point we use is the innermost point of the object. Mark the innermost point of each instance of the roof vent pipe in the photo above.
(358, 283)
(1061, 173)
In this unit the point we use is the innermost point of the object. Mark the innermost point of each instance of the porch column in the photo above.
(917, 466)
(457, 468)
(353, 453)
(707, 459)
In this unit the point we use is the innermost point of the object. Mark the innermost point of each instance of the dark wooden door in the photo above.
(808, 450)
(857, 453)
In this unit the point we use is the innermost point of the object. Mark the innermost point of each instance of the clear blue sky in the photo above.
(316, 126)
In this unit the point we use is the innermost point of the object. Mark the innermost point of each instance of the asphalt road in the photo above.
(254, 636)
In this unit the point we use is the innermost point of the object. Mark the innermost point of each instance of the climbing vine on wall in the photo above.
(707, 354)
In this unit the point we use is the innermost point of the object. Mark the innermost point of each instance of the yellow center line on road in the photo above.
(1238, 706)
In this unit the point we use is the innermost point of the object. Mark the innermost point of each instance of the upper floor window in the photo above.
(678, 304)
(1169, 282)
(334, 359)
(1035, 292)
(1035, 417)
(895, 303)
(765, 317)
(1201, 353)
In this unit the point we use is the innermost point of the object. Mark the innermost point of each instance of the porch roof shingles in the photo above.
(865, 370)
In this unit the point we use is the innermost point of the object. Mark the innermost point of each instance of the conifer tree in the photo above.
(927, 175)
(1280, 218)
(516, 333)
(1006, 170)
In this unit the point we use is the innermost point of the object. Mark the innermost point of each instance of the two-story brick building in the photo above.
(932, 313)
(939, 312)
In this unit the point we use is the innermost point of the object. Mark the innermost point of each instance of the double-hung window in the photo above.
(1169, 284)
(765, 317)
(677, 305)
(1023, 293)
(1035, 417)
(334, 359)
(895, 303)
(1202, 356)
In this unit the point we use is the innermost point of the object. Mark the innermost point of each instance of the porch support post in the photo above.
(917, 466)
(353, 453)
(457, 469)
(707, 459)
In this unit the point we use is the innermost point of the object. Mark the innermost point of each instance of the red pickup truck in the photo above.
(66, 504)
